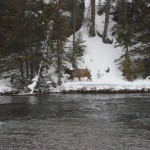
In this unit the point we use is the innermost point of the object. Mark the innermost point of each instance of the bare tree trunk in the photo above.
(27, 69)
(59, 61)
(31, 70)
(21, 65)
(107, 11)
(33, 85)
(74, 31)
(92, 23)
(21, 69)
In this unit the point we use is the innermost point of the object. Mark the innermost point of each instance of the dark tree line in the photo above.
(22, 33)
(32, 32)
(133, 34)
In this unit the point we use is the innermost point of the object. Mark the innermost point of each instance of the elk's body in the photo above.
(78, 73)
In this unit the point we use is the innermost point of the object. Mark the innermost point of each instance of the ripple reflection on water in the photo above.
(75, 122)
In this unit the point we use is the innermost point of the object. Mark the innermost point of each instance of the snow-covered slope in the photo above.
(98, 57)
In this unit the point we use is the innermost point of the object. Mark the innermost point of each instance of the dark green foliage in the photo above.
(56, 41)
(123, 28)
(79, 49)
(100, 8)
(126, 67)
(142, 30)
(22, 31)
(124, 38)
(18, 82)
(133, 34)
(32, 31)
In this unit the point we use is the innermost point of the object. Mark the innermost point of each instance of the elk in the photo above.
(79, 73)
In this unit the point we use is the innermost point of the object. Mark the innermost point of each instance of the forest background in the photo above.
(34, 38)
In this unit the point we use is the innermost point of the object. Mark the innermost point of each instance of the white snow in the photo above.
(5, 86)
(35, 80)
(33, 84)
(46, 1)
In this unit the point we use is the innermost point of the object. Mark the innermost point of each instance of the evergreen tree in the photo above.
(22, 30)
(77, 15)
(142, 36)
(80, 47)
(56, 40)
(133, 36)
(10, 20)
(124, 38)
(26, 36)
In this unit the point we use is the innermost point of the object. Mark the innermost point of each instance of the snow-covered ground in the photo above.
(98, 57)
(5, 86)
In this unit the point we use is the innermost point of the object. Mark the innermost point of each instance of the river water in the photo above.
(75, 122)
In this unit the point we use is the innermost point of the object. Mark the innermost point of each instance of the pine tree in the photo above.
(80, 47)
(23, 31)
(124, 39)
(10, 47)
(56, 40)
(142, 37)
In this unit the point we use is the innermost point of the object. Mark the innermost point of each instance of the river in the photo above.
(75, 122)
